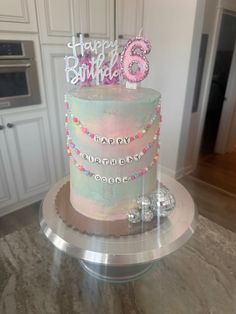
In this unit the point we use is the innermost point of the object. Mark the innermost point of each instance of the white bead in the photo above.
(105, 161)
(111, 180)
(122, 161)
(119, 140)
(104, 140)
(125, 179)
(104, 179)
(129, 159)
(97, 160)
(85, 156)
(126, 140)
(118, 179)
(155, 137)
(113, 162)
(97, 138)
(97, 177)
(111, 141)
(137, 157)
(91, 158)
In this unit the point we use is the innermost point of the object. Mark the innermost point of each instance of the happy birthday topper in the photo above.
(100, 62)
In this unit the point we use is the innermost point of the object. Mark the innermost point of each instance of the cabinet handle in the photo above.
(1, 127)
(121, 36)
(86, 35)
(78, 34)
(10, 125)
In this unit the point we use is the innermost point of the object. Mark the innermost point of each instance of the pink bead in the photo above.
(77, 151)
(90, 174)
(67, 132)
(84, 130)
(131, 138)
(144, 150)
(149, 125)
(75, 120)
(132, 178)
(140, 134)
(66, 119)
(92, 136)
(66, 105)
(81, 168)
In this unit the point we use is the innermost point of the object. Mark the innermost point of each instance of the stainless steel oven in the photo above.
(19, 84)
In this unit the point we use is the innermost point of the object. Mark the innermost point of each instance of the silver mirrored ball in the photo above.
(147, 215)
(134, 216)
(143, 202)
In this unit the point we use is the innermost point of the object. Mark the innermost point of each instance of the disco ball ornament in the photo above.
(143, 202)
(147, 215)
(162, 202)
(134, 216)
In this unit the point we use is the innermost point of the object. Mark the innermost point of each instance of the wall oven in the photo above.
(19, 84)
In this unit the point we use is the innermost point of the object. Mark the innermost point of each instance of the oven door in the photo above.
(18, 83)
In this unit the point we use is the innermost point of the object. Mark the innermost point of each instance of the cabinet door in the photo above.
(94, 17)
(18, 16)
(8, 194)
(26, 135)
(56, 87)
(55, 20)
(129, 18)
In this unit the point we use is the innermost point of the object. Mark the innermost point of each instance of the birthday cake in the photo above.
(112, 135)
(112, 131)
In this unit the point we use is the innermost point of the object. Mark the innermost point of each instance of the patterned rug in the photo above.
(198, 278)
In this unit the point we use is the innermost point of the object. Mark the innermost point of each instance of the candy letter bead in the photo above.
(125, 179)
(119, 140)
(129, 159)
(113, 162)
(134, 63)
(104, 179)
(97, 160)
(137, 157)
(126, 140)
(111, 180)
(118, 180)
(97, 177)
(122, 161)
(104, 140)
(97, 138)
(111, 141)
(105, 161)
(85, 156)
(91, 159)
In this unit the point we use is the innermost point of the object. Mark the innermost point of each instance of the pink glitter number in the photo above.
(134, 63)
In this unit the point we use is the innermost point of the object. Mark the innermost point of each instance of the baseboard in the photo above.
(177, 174)
(21, 204)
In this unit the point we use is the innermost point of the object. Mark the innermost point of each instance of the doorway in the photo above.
(217, 159)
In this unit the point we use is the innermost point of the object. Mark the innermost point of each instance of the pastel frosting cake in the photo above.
(112, 140)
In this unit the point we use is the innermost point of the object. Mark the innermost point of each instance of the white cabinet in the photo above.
(8, 193)
(18, 16)
(59, 20)
(56, 87)
(26, 157)
(129, 18)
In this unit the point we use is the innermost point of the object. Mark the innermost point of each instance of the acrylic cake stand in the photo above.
(127, 257)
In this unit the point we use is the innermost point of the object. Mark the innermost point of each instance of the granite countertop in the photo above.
(198, 278)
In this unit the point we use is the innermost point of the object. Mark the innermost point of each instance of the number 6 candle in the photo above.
(134, 63)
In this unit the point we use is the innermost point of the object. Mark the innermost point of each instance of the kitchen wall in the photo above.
(174, 29)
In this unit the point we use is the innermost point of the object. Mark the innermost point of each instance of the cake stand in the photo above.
(124, 258)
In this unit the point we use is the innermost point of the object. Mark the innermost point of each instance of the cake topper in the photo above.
(100, 62)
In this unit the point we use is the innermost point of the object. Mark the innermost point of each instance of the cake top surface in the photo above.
(114, 93)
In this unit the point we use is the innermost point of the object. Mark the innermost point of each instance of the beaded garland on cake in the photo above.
(111, 140)
(112, 180)
(104, 160)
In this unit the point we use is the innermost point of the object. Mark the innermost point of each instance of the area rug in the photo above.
(198, 278)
